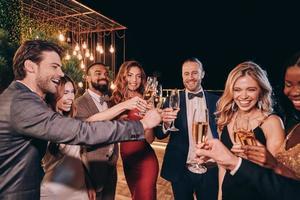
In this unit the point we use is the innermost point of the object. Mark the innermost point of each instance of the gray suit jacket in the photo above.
(100, 161)
(26, 123)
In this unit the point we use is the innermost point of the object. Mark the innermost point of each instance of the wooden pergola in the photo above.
(80, 21)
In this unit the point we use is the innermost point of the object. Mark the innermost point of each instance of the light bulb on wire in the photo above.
(84, 46)
(91, 57)
(111, 49)
(61, 37)
(79, 56)
(67, 56)
(77, 47)
(87, 53)
(82, 65)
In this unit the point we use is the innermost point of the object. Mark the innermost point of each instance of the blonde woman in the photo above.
(246, 103)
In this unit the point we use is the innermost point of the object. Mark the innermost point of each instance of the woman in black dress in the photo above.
(246, 106)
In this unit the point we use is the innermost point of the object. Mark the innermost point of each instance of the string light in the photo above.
(68, 57)
(87, 53)
(74, 53)
(82, 65)
(112, 86)
(91, 57)
(77, 47)
(61, 37)
(84, 46)
(111, 49)
(79, 56)
(80, 84)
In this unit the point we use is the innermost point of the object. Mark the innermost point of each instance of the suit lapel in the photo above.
(183, 115)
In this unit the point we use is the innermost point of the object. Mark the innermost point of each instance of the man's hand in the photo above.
(151, 119)
(216, 150)
(260, 155)
(168, 116)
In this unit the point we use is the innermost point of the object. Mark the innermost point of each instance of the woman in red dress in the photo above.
(139, 160)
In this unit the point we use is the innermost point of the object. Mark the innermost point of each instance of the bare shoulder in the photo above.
(273, 118)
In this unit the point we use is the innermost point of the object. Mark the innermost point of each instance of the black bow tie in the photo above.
(192, 95)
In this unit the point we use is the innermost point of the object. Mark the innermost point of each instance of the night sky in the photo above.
(220, 33)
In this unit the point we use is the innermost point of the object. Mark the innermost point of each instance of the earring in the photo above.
(259, 105)
(233, 107)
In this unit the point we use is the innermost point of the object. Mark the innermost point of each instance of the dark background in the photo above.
(161, 34)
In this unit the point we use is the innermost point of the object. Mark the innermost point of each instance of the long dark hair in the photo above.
(284, 106)
(52, 100)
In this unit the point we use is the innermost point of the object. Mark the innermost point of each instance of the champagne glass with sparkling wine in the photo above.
(199, 133)
(174, 104)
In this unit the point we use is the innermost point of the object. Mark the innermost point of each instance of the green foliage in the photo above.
(10, 18)
(72, 69)
(7, 50)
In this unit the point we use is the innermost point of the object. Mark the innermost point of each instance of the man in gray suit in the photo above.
(27, 123)
(100, 162)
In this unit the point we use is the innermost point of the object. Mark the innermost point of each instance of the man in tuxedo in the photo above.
(270, 185)
(99, 161)
(27, 123)
(181, 147)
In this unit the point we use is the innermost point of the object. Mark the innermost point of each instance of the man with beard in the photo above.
(186, 180)
(100, 161)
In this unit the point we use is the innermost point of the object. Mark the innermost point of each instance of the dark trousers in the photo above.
(205, 186)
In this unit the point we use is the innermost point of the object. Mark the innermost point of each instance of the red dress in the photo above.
(140, 166)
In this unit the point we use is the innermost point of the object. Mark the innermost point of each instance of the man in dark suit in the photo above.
(100, 162)
(180, 148)
(270, 185)
(27, 123)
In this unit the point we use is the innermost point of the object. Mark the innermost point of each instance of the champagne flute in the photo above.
(243, 133)
(174, 101)
(158, 99)
(199, 133)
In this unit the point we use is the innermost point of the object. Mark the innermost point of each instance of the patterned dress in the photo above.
(291, 157)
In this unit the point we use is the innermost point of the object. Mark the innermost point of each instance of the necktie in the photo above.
(192, 95)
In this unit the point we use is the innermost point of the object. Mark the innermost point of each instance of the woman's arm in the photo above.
(109, 114)
(274, 132)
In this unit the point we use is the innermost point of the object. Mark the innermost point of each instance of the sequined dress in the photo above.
(290, 157)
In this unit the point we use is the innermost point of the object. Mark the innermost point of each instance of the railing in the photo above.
(166, 92)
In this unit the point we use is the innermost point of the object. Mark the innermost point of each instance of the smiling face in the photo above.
(64, 104)
(246, 93)
(97, 78)
(292, 85)
(134, 78)
(48, 73)
(192, 75)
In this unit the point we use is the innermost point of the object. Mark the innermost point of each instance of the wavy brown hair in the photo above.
(120, 93)
(52, 100)
(225, 105)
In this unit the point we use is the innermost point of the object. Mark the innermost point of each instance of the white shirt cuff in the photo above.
(232, 172)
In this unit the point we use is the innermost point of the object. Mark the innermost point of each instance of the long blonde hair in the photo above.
(226, 106)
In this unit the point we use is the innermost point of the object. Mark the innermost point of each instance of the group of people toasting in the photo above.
(53, 146)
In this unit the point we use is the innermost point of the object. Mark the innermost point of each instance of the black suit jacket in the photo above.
(26, 123)
(177, 149)
(270, 185)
